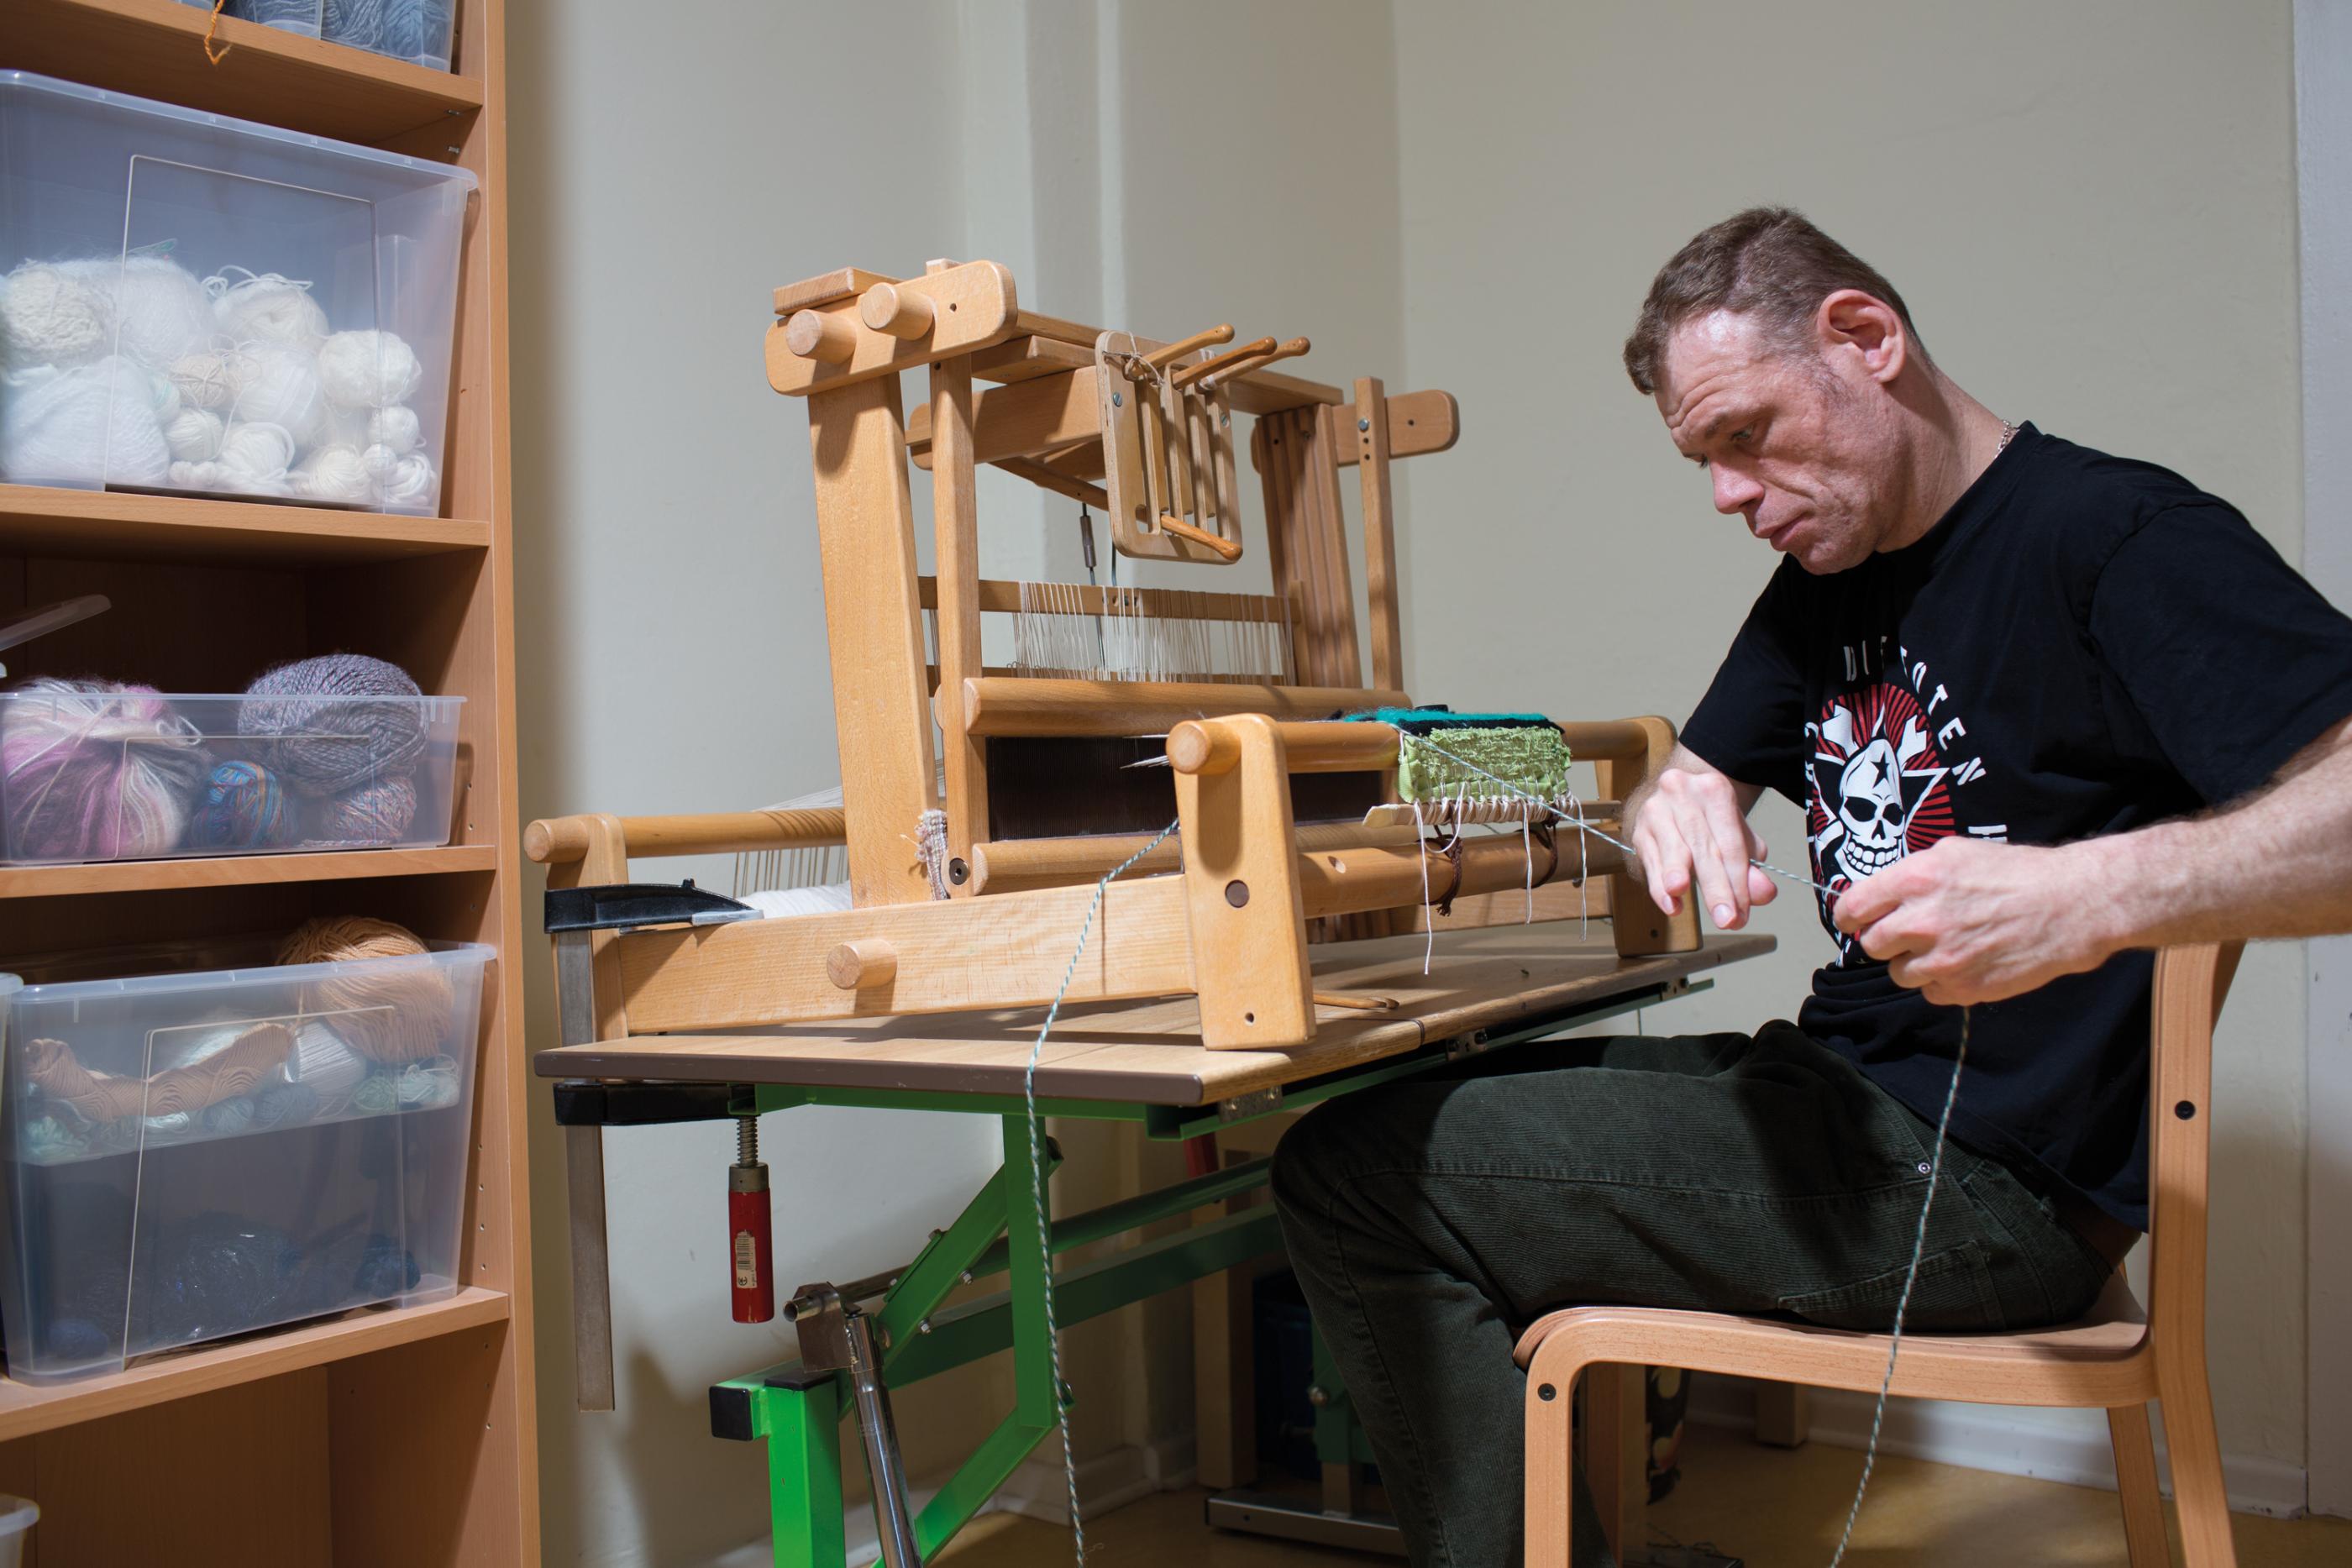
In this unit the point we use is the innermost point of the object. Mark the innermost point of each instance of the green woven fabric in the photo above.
(1524, 749)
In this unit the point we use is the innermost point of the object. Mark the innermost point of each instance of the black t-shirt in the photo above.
(2082, 645)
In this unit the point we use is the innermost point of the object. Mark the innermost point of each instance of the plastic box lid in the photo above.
(27, 81)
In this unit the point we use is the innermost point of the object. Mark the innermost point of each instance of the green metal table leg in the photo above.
(802, 1428)
(975, 1482)
(1038, 1401)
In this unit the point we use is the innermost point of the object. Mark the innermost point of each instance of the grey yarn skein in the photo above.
(318, 738)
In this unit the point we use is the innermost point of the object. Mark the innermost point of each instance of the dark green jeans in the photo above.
(1431, 1219)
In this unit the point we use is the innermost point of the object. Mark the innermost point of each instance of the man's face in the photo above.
(1806, 458)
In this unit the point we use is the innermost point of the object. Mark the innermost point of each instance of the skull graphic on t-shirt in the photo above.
(1878, 787)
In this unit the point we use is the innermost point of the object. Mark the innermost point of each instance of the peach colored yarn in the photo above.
(391, 1011)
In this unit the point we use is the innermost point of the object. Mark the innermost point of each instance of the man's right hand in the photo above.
(1690, 824)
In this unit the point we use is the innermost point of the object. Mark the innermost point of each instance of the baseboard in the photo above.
(1994, 1438)
(1038, 1490)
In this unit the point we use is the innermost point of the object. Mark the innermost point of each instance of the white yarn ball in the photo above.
(395, 427)
(280, 387)
(93, 425)
(368, 370)
(412, 482)
(209, 379)
(164, 312)
(269, 308)
(195, 435)
(54, 314)
(257, 450)
(333, 473)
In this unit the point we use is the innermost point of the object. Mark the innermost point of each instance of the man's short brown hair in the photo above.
(1770, 263)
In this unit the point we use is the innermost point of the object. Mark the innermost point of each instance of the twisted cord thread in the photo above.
(1037, 1174)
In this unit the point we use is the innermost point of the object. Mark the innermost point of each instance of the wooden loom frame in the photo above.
(1232, 925)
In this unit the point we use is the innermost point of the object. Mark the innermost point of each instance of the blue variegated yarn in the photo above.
(244, 806)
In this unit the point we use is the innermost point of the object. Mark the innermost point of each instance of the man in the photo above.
(2047, 710)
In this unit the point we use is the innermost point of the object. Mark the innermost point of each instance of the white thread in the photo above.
(367, 369)
(1037, 1173)
(267, 307)
(93, 425)
(161, 312)
(54, 313)
(279, 385)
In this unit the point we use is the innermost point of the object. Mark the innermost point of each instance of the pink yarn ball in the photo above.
(93, 770)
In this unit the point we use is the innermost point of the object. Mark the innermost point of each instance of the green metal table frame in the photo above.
(797, 1413)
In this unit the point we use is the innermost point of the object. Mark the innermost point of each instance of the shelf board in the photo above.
(155, 48)
(239, 871)
(28, 1407)
(116, 525)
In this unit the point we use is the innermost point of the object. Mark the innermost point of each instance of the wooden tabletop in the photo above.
(1149, 1052)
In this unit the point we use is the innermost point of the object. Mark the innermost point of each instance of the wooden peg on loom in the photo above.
(894, 309)
(815, 335)
(1171, 353)
(1290, 351)
(1226, 549)
(1250, 350)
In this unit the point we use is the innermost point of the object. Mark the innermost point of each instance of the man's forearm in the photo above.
(2276, 864)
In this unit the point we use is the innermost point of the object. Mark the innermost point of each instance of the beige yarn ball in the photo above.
(393, 1004)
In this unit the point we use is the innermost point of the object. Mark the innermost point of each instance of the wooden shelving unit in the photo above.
(401, 1435)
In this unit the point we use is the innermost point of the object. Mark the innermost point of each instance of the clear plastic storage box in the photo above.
(199, 305)
(417, 31)
(190, 1155)
(125, 773)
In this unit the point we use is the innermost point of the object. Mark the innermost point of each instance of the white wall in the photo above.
(2091, 210)
(669, 622)
(668, 172)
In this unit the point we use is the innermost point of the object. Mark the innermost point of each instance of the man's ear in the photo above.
(1850, 321)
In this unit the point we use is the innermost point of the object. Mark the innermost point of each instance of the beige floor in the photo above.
(1771, 1509)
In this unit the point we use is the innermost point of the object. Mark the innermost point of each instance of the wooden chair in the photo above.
(2117, 1358)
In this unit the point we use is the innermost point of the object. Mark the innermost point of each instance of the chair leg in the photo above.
(2136, 1482)
(1616, 1451)
(2199, 1492)
(1550, 1478)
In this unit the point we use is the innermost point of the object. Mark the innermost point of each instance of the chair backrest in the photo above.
(2190, 985)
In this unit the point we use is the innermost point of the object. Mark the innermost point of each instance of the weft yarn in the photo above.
(92, 770)
(391, 1002)
(321, 733)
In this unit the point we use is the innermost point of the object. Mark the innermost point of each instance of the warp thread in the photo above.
(391, 1001)
(335, 721)
(784, 902)
(91, 769)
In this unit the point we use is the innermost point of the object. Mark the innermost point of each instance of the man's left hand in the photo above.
(1969, 921)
